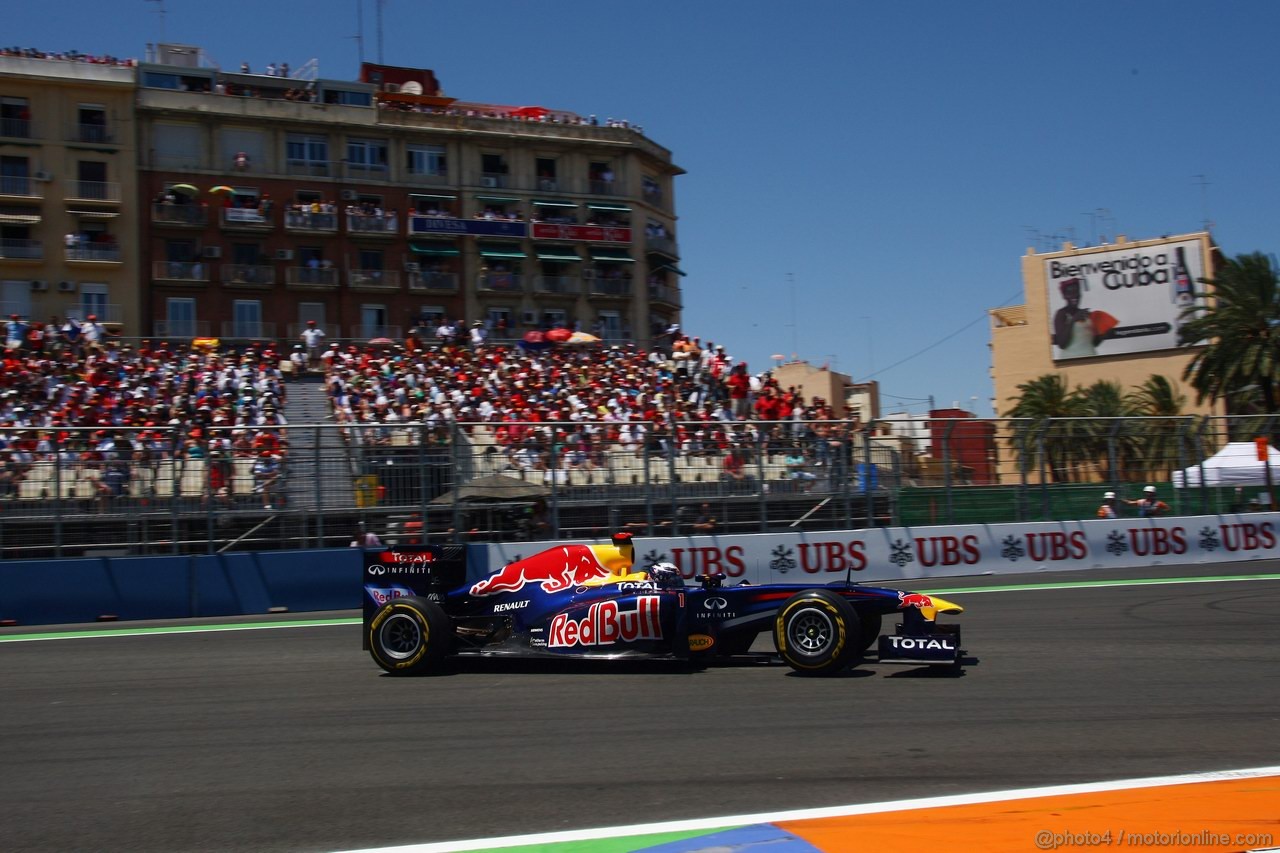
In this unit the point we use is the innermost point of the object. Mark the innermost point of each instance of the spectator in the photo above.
(1149, 506)
(266, 475)
(313, 339)
(705, 523)
(1108, 507)
(365, 538)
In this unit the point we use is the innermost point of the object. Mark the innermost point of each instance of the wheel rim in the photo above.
(400, 636)
(810, 631)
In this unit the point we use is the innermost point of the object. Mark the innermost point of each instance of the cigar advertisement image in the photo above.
(1123, 301)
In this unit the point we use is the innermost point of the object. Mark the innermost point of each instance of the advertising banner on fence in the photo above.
(1123, 301)
(902, 553)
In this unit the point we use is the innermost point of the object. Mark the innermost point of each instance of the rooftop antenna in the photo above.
(1204, 200)
(160, 11)
(359, 36)
(795, 329)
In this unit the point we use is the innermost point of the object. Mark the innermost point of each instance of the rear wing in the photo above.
(428, 571)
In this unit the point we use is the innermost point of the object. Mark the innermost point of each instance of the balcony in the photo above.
(311, 278)
(615, 288)
(180, 272)
(369, 331)
(248, 276)
(494, 180)
(21, 187)
(180, 328)
(499, 282)
(433, 282)
(425, 179)
(247, 329)
(245, 219)
(94, 134)
(664, 245)
(373, 280)
(16, 128)
(557, 285)
(108, 191)
(305, 220)
(307, 168)
(293, 331)
(92, 253)
(108, 313)
(21, 250)
(596, 186)
(664, 294)
(182, 215)
(365, 172)
(366, 225)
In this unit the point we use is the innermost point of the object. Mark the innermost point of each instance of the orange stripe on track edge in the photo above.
(1190, 817)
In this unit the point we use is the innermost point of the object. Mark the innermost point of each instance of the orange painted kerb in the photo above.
(1166, 817)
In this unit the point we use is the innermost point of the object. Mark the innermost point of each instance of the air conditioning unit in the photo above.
(412, 267)
(66, 286)
(39, 285)
(490, 182)
(43, 176)
(284, 254)
(212, 251)
(350, 195)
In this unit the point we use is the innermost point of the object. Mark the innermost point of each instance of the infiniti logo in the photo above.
(715, 604)
(376, 569)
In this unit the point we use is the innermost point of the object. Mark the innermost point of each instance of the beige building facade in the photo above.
(68, 191)
(1106, 312)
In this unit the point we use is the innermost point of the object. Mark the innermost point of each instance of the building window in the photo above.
(246, 319)
(92, 123)
(493, 170)
(180, 316)
(308, 154)
(370, 259)
(93, 300)
(546, 169)
(15, 117)
(367, 154)
(426, 160)
(373, 321)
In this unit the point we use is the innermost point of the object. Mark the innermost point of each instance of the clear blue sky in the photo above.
(892, 159)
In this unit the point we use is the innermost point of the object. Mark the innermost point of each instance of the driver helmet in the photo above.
(664, 574)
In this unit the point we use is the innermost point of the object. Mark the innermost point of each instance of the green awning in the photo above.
(555, 253)
(19, 219)
(542, 202)
(500, 250)
(435, 247)
(616, 207)
(616, 256)
(431, 195)
(498, 198)
(675, 269)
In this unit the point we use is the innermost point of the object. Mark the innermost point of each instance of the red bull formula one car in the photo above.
(590, 601)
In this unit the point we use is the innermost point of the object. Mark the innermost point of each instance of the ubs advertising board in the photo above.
(1123, 301)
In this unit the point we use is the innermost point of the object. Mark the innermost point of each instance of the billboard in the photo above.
(1122, 301)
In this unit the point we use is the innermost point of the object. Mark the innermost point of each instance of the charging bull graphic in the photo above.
(560, 568)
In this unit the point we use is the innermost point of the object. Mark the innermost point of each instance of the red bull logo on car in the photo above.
(555, 570)
(382, 594)
(914, 599)
(606, 623)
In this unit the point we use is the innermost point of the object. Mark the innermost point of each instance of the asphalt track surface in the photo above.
(293, 740)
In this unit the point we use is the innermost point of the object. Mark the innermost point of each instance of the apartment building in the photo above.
(377, 205)
(68, 213)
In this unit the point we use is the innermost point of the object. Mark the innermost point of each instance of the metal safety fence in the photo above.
(209, 489)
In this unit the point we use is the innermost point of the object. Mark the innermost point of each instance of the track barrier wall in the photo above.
(135, 588)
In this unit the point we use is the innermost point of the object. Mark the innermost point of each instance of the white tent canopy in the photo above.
(1237, 464)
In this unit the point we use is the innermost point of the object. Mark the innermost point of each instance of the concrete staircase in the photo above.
(319, 475)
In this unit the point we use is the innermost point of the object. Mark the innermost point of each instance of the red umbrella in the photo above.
(534, 337)
(530, 112)
(558, 336)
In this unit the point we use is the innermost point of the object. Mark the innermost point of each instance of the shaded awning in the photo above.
(555, 253)
(433, 195)
(544, 202)
(501, 250)
(19, 219)
(438, 248)
(616, 256)
(617, 207)
(502, 199)
(675, 269)
(95, 214)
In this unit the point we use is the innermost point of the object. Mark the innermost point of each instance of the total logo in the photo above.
(381, 595)
(606, 624)
(922, 644)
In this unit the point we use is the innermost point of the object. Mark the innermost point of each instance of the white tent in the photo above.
(1237, 464)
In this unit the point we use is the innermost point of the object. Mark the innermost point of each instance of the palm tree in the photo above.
(1111, 440)
(1037, 439)
(1242, 327)
(1168, 442)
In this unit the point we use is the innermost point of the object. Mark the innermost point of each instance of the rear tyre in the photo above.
(817, 633)
(410, 636)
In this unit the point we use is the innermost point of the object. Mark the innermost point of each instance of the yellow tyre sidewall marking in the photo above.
(836, 622)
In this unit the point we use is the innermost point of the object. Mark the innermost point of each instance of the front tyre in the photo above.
(817, 633)
(409, 636)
